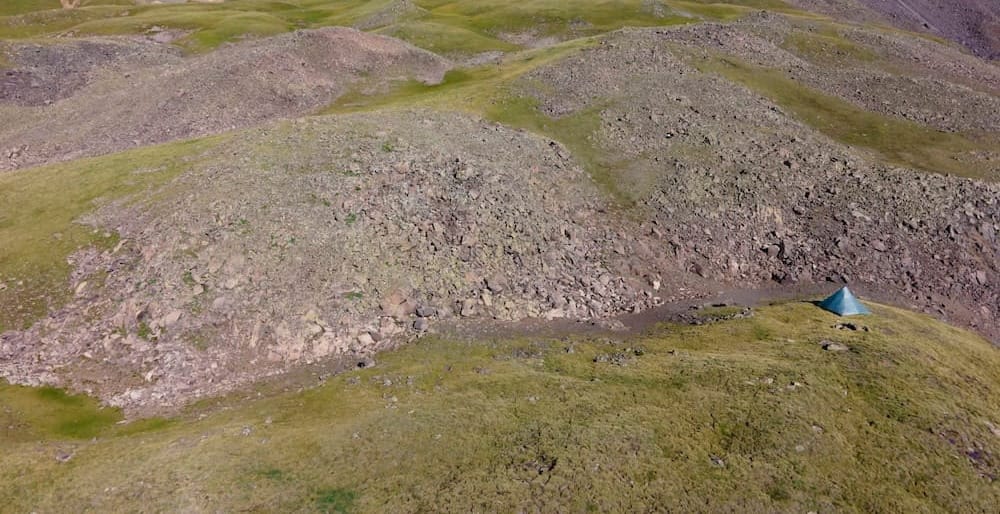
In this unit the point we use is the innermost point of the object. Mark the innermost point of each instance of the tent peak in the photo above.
(844, 303)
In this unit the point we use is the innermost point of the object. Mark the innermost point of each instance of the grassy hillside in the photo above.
(15, 7)
(751, 414)
(465, 26)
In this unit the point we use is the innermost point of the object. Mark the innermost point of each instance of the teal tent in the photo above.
(844, 303)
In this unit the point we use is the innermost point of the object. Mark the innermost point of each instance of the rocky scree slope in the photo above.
(881, 72)
(736, 190)
(974, 24)
(234, 87)
(41, 73)
(334, 237)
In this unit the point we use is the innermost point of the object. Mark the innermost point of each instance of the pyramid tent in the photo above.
(844, 303)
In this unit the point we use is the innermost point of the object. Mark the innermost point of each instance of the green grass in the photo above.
(14, 7)
(39, 213)
(211, 24)
(144, 331)
(545, 17)
(748, 415)
(827, 46)
(335, 501)
(578, 132)
(726, 11)
(11, 7)
(897, 141)
(725, 311)
(447, 39)
(29, 414)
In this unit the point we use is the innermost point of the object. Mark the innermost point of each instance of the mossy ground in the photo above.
(750, 414)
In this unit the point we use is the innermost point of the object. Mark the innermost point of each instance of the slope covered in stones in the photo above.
(747, 193)
(659, 164)
(169, 97)
(332, 237)
(974, 24)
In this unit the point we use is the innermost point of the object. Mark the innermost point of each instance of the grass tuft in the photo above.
(335, 501)
(828, 46)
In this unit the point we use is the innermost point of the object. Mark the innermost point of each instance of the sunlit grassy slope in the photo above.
(749, 415)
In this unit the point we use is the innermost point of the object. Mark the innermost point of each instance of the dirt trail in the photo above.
(617, 328)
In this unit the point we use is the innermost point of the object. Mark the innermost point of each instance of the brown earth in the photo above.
(235, 87)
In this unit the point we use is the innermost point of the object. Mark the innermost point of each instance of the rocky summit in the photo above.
(214, 213)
